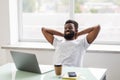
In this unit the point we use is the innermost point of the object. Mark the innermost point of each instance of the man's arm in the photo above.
(92, 33)
(49, 34)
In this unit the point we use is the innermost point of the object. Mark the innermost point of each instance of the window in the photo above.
(35, 14)
(42, 13)
(103, 12)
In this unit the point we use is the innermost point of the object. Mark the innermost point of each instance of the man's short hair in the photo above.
(74, 22)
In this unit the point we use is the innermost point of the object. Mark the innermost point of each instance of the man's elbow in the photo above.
(98, 27)
(43, 29)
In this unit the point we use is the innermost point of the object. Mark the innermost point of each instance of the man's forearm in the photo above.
(86, 31)
(53, 32)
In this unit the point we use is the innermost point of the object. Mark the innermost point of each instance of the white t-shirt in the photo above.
(70, 52)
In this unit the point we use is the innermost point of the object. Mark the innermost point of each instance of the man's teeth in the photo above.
(67, 32)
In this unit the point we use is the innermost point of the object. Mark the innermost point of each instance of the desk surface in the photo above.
(9, 72)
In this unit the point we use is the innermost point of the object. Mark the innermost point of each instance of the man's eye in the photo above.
(70, 28)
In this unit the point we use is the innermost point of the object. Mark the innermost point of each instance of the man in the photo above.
(70, 51)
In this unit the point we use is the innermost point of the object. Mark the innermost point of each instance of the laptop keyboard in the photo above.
(46, 68)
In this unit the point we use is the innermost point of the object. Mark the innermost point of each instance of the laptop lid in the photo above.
(27, 62)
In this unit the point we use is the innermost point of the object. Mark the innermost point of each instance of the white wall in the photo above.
(104, 60)
(4, 28)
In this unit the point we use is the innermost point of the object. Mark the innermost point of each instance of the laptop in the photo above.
(28, 62)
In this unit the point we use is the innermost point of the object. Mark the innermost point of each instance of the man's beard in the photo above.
(69, 36)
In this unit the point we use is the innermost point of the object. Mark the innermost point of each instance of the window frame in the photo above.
(71, 15)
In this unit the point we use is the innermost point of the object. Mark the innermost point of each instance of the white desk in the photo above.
(9, 72)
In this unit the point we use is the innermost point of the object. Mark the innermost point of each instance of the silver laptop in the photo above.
(28, 62)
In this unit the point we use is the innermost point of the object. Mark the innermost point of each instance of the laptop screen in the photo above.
(25, 61)
(28, 62)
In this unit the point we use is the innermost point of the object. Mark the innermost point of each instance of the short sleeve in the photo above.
(55, 42)
(86, 44)
(83, 41)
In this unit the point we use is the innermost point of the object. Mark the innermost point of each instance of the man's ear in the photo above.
(76, 30)
(76, 33)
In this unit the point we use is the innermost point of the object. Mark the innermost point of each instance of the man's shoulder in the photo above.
(58, 38)
(81, 37)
